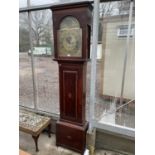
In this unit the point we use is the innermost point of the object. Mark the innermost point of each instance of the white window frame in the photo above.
(125, 29)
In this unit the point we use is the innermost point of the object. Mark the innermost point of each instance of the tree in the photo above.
(124, 7)
(24, 44)
(41, 23)
(107, 8)
(112, 9)
(41, 27)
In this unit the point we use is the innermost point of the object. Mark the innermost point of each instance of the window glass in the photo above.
(46, 70)
(115, 75)
(26, 97)
(122, 31)
(115, 100)
(22, 3)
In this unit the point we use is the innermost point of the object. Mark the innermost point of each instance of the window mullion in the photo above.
(93, 63)
(32, 58)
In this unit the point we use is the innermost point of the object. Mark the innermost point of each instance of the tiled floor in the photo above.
(47, 146)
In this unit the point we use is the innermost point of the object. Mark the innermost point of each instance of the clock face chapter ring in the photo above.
(70, 42)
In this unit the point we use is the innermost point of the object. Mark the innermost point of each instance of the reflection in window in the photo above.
(22, 3)
(46, 70)
(110, 62)
(122, 31)
(26, 97)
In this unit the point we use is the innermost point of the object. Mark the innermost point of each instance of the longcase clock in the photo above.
(72, 27)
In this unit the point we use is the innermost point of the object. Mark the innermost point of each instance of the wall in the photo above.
(114, 142)
(113, 58)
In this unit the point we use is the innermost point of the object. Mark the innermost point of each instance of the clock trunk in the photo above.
(72, 80)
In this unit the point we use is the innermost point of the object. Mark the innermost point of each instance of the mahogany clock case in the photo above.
(72, 127)
(72, 92)
(71, 136)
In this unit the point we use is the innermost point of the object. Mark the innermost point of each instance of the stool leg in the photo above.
(49, 130)
(36, 142)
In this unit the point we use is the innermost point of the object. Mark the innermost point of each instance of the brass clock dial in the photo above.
(70, 42)
(70, 38)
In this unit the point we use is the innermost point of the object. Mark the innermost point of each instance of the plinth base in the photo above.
(71, 136)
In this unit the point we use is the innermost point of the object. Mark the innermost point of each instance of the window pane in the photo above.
(26, 97)
(46, 70)
(22, 3)
(110, 68)
(125, 116)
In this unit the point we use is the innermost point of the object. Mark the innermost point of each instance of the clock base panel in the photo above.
(71, 136)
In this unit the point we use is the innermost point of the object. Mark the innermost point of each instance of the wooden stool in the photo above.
(34, 124)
